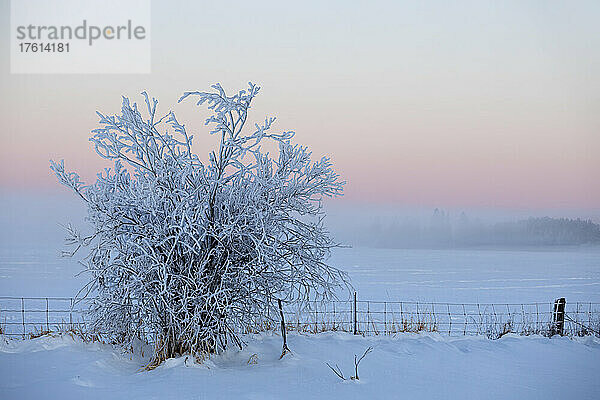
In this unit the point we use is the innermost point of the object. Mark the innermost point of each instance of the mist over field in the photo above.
(393, 252)
(32, 220)
(426, 227)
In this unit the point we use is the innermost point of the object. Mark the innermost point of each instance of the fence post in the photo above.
(590, 315)
(71, 315)
(465, 317)
(449, 321)
(369, 317)
(47, 317)
(23, 313)
(495, 325)
(333, 327)
(523, 319)
(537, 319)
(401, 318)
(480, 325)
(385, 317)
(316, 317)
(558, 316)
(355, 316)
(285, 349)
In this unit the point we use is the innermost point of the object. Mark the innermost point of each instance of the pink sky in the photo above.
(482, 105)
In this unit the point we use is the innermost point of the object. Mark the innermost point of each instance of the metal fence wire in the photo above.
(29, 316)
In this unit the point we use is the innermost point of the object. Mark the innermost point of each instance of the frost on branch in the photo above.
(194, 253)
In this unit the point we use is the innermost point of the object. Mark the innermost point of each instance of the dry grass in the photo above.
(165, 349)
(39, 333)
(410, 326)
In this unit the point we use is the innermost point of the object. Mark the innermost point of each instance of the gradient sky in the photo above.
(480, 104)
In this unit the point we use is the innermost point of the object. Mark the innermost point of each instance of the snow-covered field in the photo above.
(449, 275)
(406, 367)
(429, 366)
(474, 275)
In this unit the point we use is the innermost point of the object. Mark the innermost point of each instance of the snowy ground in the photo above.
(461, 275)
(408, 366)
(537, 274)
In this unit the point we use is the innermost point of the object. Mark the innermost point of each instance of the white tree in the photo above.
(197, 252)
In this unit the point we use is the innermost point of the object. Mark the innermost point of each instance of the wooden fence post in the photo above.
(23, 313)
(385, 327)
(465, 317)
(333, 327)
(316, 317)
(558, 316)
(285, 349)
(47, 316)
(71, 314)
(449, 320)
(402, 325)
(355, 316)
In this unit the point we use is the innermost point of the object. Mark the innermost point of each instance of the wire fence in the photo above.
(369, 317)
(23, 316)
(31, 316)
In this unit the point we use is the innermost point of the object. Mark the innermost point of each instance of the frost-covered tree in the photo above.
(195, 252)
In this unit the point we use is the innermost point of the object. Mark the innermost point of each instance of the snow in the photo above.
(535, 274)
(449, 275)
(406, 366)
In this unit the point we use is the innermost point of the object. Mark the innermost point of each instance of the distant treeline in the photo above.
(461, 232)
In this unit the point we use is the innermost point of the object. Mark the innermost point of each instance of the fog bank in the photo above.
(387, 227)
